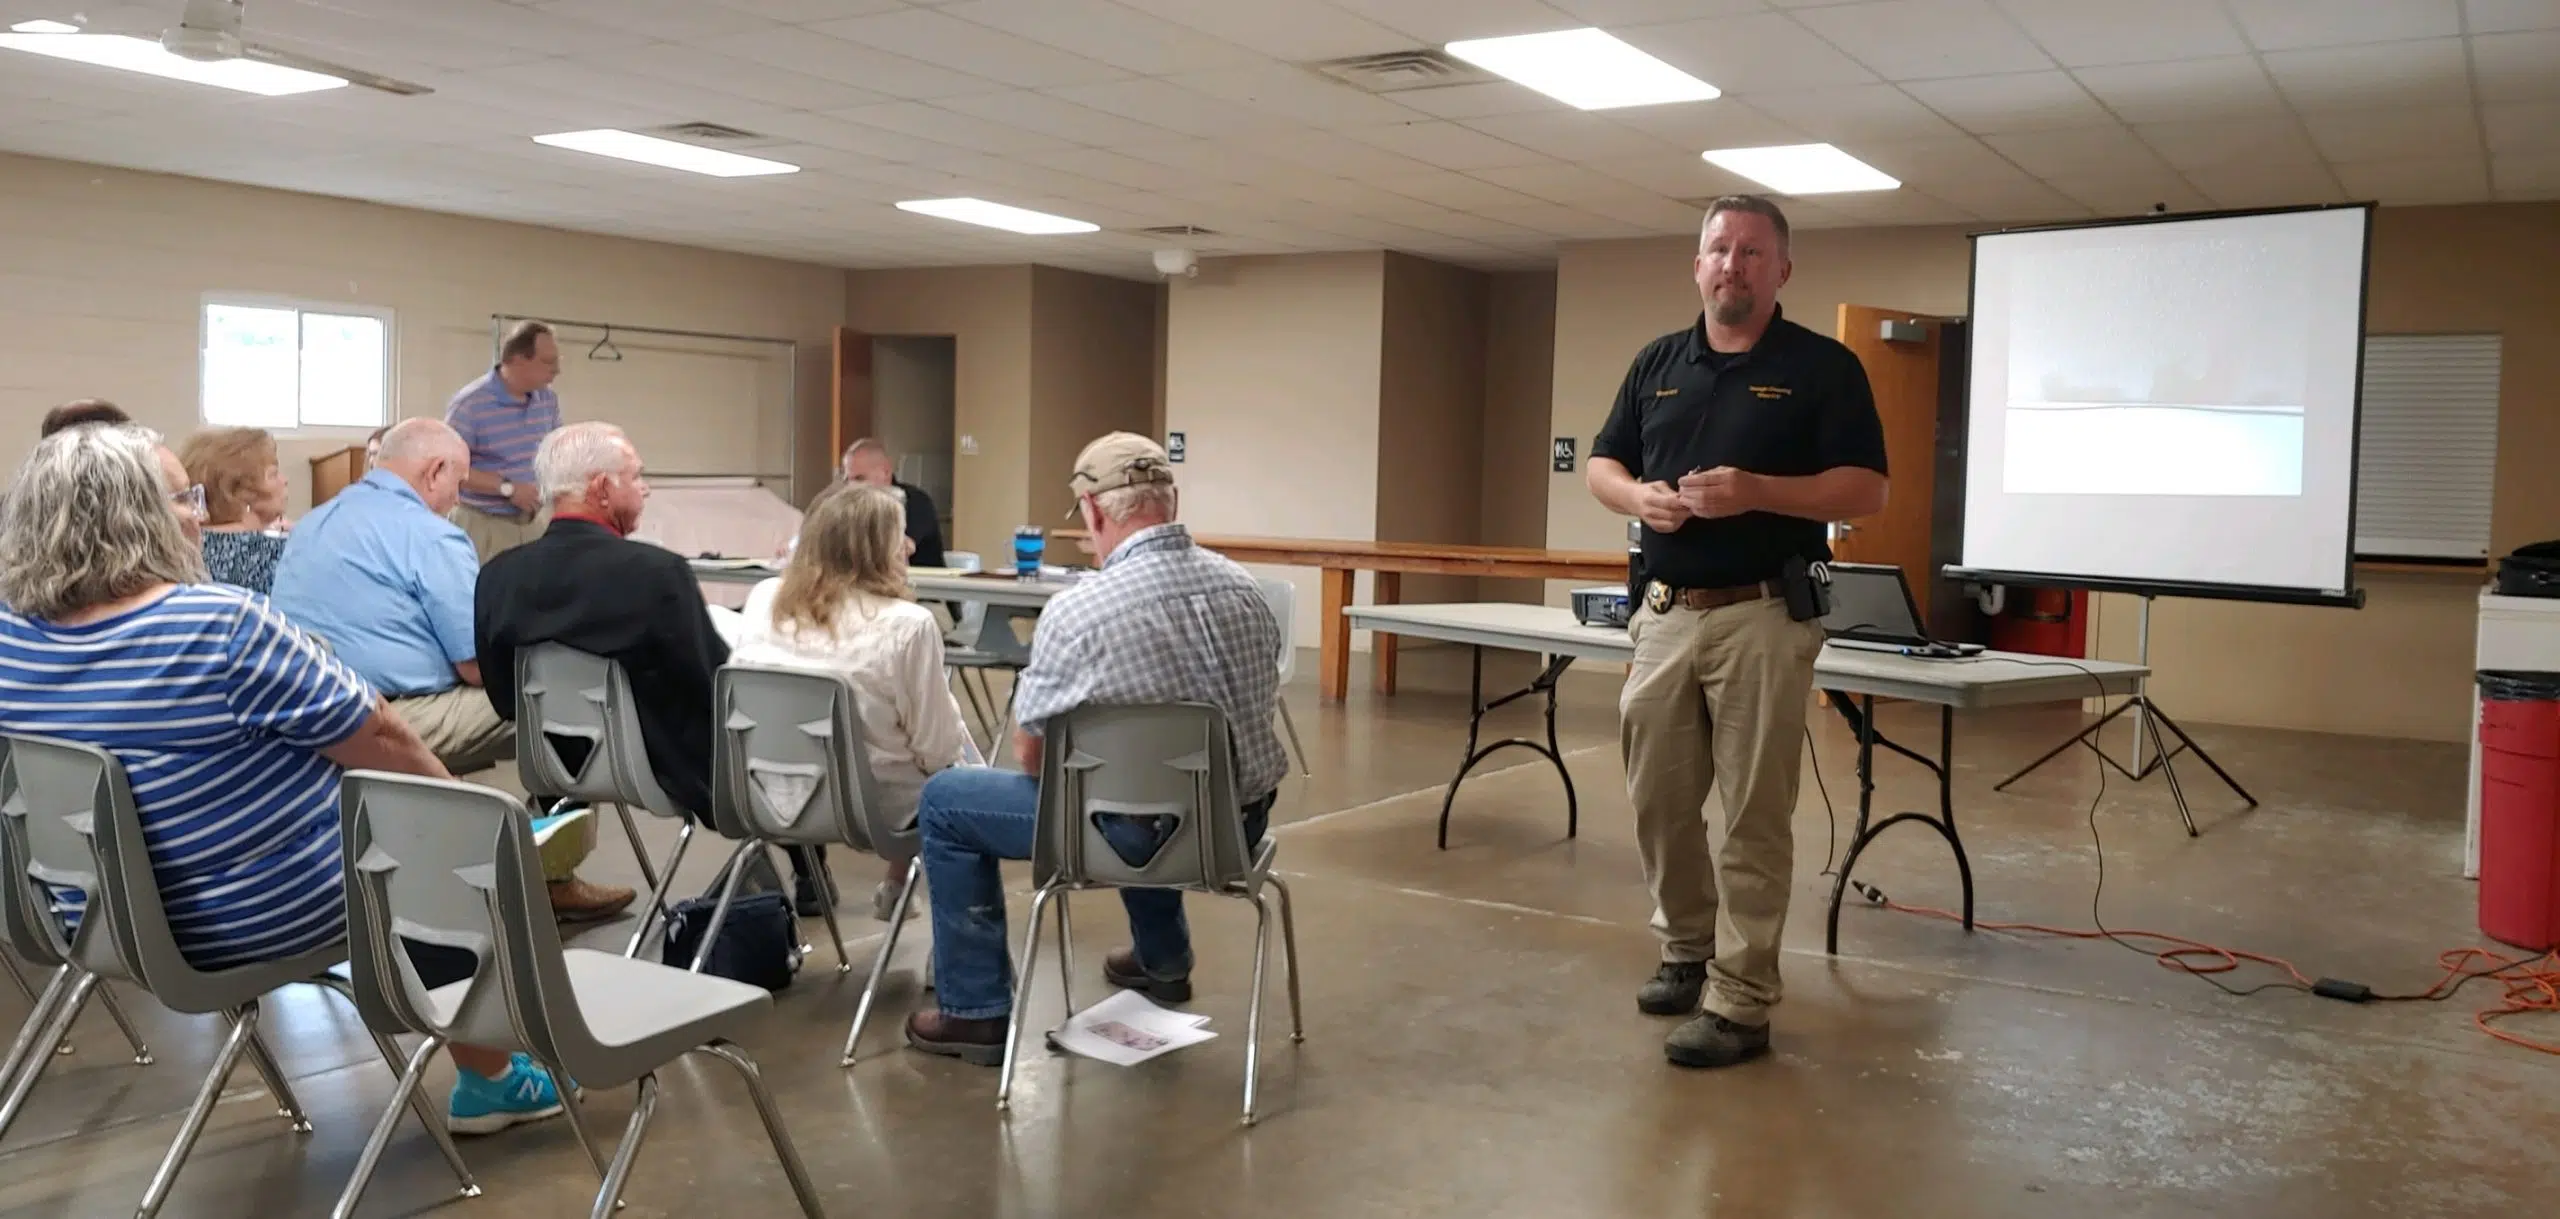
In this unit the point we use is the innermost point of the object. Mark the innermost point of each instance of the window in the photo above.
(2428, 446)
(287, 366)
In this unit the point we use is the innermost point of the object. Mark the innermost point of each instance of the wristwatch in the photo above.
(506, 490)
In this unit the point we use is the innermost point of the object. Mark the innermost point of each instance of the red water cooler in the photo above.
(2519, 817)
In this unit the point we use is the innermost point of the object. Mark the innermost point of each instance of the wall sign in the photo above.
(1564, 455)
(1173, 446)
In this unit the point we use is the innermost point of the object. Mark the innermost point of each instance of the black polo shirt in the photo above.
(1797, 403)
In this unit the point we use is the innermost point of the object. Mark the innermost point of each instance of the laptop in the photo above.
(1872, 609)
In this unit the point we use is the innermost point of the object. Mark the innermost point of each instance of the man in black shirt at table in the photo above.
(868, 462)
(1734, 441)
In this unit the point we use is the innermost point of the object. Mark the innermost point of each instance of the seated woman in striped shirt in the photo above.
(232, 724)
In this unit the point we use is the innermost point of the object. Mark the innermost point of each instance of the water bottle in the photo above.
(1028, 543)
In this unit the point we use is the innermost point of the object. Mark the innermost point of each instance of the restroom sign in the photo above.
(1173, 446)
(1564, 455)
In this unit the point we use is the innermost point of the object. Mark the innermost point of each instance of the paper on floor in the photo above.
(1127, 1029)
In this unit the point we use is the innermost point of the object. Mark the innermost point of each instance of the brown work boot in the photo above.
(977, 1042)
(577, 901)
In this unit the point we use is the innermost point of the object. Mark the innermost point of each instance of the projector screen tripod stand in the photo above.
(2163, 755)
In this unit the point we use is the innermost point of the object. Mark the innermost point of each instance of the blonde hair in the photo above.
(852, 541)
(87, 521)
(232, 463)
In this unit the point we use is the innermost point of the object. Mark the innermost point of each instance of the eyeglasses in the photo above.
(190, 500)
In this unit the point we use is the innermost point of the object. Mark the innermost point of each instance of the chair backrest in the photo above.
(1282, 597)
(1173, 761)
(578, 731)
(997, 638)
(789, 763)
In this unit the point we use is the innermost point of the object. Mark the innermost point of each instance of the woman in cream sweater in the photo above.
(842, 606)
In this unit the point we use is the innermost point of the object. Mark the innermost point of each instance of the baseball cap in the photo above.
(1121, 459)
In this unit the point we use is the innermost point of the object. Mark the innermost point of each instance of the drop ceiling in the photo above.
(1134, 114)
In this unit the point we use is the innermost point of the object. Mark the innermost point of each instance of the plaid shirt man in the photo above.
(1164, 621)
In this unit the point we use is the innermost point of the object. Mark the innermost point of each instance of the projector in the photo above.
(1603, 606)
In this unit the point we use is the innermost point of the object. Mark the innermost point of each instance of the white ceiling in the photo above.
(1132, 113)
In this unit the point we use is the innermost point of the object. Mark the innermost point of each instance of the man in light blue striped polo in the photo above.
(503, 417)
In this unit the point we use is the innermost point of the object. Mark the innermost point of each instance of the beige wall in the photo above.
(1093, 365)
(1431, 396)
(912, 411)
(987, 312)
(104, 272)
(2399, 667)
(1272, 369)
(1520, 347)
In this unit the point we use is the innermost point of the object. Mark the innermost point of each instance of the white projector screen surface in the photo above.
(2168, 403)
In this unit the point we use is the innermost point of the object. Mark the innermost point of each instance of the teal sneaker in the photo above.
(486, 1106)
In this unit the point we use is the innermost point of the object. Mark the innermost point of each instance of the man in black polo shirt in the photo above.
(1733, 441)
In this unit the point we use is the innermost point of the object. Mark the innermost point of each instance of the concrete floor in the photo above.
(1473, 1048)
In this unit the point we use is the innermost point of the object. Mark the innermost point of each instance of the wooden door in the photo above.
(850, 418)
(1904, 375)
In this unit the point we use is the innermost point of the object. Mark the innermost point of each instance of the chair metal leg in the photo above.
(1021, 996)
(271, 1073)
(410, 1094)
(880, 965)
(45, 1028)
(728, 893)
(782, 1148)
(657, 907)
(414, 1097)
(639, 853)
(825, 889)
(244, 1028)
(574, 1108)
(1066, 956)
(1289, 953)
(1291, 727)
(115, 1012)
(39, 1013)
(619, 1171)
(1253, 1009)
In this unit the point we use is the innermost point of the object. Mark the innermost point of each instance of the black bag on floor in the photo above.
(759, 943)
(2532, 571)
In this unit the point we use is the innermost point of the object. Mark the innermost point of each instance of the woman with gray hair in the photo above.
(232, 724)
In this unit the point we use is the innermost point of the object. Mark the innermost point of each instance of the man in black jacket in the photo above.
(868, 462)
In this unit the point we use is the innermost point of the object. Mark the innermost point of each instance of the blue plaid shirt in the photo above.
(1164, 622)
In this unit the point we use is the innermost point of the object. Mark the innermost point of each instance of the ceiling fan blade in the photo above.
(353, 76)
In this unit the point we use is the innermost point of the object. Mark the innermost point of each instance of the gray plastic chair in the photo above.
(1174, 761)
(565, 694)
(788, 767)
(455, 864)
(1282, 597)
(70, 817)
(57, 985)
(984, 641)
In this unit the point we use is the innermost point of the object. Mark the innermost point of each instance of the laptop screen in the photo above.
(1870, 601)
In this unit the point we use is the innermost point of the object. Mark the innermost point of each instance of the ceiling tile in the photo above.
(938, 38)
(835, 59)
(1115, 34)
(2498, 16)
(660, 63)
(1576, 135)
(1934, 165)
(2262, 184)
(1615, 13)
(950, 129)
(1453, 190)
(1923, 39)
(2285, 25)
(1329, 152)
(2080, 34)
(1856, 112)
(2021, 201)
(2025, 101)
(1571, 185)
(1105, 165)
(2393, 134)
(1167, 105)
(1289, 92)
(2517, 67)
(797, 11)
(1221, 160)
(2195, 144)
(1055, 116)
(2430, 73)
(1482, 100)
(2086, 151)
(2230, 87)
(1897, 207)
(1448, 146)
(665, 20)
(1296, 33)
(1651, 211)
(2522, 126)
(2131, 194)
(1557, 220)
(2426, 180)
(1724, 123)
(1678, 177)
(1745, 54)
(1434, 22)
(2526, 177)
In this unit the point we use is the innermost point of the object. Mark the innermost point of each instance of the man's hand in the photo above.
(1720, 492)
(1662, 507)
(526, 499)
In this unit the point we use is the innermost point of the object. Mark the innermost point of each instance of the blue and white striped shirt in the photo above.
(216, 706)
(503, 431)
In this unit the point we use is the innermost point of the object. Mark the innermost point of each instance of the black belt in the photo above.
(1660, 597)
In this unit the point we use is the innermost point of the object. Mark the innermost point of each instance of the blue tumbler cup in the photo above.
(1028, 543)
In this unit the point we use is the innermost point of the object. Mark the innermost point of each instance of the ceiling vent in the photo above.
(1178, 230)
(1403, 71)
(713, 132)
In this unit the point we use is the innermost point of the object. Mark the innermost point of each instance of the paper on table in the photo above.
(1126, 1030)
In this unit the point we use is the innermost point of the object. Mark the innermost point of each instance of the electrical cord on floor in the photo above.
(1830, 853)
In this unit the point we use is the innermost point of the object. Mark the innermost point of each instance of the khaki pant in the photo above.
(1716, 703)
(493, 535)
(465, 733)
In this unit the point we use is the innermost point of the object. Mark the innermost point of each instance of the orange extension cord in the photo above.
(2533, 983)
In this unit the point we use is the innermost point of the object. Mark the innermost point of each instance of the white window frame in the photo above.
(2414, 438)
(262, 300)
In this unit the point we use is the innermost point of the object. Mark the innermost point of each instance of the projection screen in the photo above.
(2168, 405)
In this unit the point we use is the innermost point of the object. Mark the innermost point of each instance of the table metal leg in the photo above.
(1551, 749)
(1944, 822)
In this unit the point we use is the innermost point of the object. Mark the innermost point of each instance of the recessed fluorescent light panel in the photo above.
(998, 216)
(59, 41)
(1587, 69)
(1802, 169)
(650, 150)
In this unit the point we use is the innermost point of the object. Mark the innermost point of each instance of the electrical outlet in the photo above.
(968, 446)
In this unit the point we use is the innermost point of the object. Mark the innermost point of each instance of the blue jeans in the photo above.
(973, 816)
